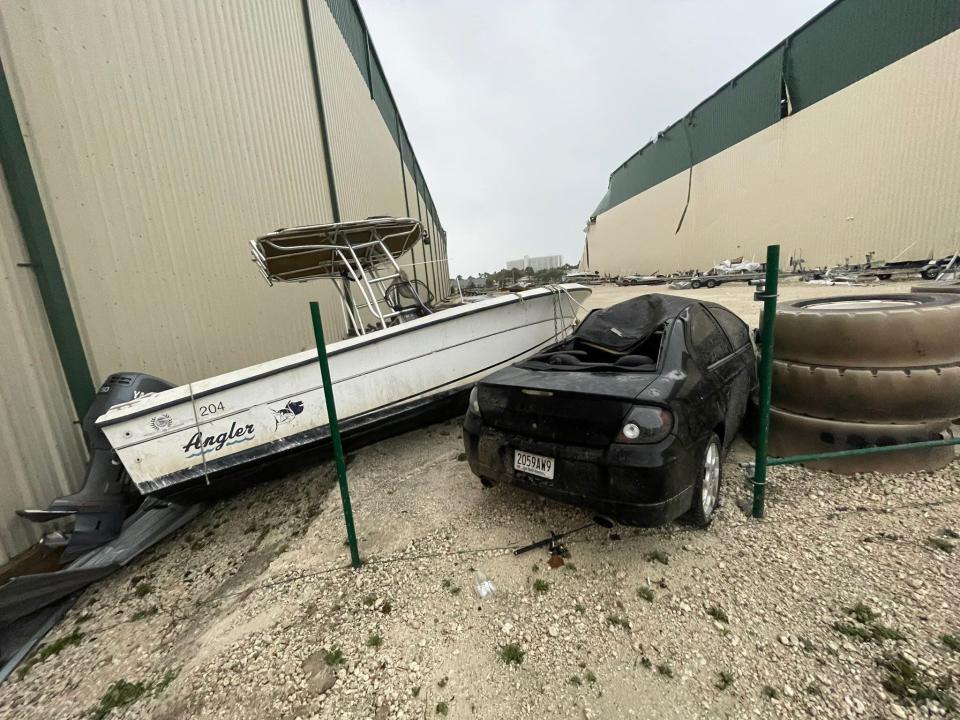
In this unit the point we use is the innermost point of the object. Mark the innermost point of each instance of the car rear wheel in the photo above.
(706, 489)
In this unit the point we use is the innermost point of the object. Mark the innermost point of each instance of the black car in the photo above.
(630, 415)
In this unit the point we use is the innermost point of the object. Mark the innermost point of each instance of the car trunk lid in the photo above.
(575, 408)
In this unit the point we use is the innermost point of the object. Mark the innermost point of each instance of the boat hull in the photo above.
(198, 431)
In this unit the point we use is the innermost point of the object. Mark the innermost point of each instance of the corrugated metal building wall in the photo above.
(838, 142)
(161, 137)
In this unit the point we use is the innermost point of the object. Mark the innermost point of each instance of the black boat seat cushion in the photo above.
(633, 361)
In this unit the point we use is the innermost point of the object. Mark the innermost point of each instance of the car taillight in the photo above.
(645, 424)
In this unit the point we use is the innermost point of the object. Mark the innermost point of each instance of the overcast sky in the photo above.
(519, 110)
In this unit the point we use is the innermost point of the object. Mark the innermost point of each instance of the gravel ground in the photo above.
(833, 606)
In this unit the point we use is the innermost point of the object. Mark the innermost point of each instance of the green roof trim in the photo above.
(843, 44)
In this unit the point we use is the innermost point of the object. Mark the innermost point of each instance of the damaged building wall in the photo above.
(831, 154)
(162, 137)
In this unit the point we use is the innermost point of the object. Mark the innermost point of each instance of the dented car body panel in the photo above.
(702, 377)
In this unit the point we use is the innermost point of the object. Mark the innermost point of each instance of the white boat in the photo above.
(397, 367)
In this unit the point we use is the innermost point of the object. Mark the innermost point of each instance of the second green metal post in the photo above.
(765, 373)
(335, 433)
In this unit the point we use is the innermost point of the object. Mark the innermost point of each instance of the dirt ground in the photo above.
(843, 602)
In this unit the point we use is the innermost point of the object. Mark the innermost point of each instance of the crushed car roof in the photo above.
(620, 326)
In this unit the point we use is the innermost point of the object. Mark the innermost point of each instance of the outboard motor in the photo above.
(107, 496)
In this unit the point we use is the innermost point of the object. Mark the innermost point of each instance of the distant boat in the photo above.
(583, 278)
(642, 280)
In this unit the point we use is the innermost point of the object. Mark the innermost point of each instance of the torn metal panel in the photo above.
(154, 521)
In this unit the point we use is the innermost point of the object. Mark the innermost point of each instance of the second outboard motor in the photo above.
(107, 496)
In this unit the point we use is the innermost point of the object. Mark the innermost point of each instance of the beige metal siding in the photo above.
(164, 137)
(41, 452)
(870, 168)
(366, 160)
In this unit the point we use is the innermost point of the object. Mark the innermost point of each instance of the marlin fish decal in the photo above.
(287, 412)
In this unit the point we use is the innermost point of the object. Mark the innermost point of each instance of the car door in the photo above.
(709, 346)
(738, 369)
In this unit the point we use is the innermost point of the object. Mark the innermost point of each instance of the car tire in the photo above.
(953, 289)
(793, 434)
(930, 273)
(867, 394)
(487, 482)
(895, 330)
(706, 487)
(695, 284)
(711, 283)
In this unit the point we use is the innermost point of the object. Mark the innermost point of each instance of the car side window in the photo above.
(707, 341)
(736, 329)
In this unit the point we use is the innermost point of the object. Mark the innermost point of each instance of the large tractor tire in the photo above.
(868, 394)
(792, 434)
(951, 288)
(892, 331)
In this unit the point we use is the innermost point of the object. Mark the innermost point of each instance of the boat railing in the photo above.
(363, 252)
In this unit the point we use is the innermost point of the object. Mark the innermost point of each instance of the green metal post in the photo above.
(335, 433)
(769, 297)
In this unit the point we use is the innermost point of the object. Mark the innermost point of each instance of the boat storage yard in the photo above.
(241, 607)
(182, 536)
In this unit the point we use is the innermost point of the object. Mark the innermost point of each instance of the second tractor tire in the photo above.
(868, 394)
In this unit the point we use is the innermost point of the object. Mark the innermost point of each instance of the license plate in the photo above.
(533, 464)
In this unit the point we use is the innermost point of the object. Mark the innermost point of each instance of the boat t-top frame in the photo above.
(364, 251)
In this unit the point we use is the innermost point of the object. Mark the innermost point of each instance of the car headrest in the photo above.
(633, 361)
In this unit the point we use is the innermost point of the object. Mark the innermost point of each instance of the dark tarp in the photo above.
(620, 327)
(23, 617)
